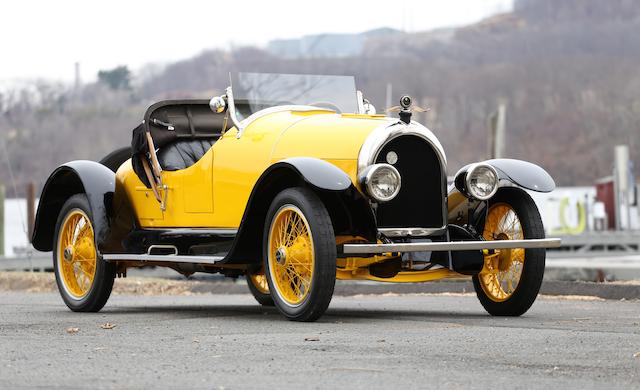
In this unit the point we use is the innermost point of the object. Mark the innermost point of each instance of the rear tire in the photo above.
(494, 297)
(300, 254)
(84, 280)
(259, 288)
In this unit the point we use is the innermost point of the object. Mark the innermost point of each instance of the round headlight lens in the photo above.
(482, 181)
(382, 182)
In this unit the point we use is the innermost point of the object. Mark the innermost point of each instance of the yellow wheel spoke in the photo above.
(291, 257)
(76, 254)
(501, 275)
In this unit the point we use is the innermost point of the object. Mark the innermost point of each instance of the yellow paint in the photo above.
(565, 228)
(189, 196)
(457, 204)
(401, 277)
(214, 192)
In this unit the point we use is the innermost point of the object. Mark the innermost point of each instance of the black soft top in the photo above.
(170, 120)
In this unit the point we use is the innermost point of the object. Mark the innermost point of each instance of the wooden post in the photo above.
(389, 98)
(497, 130)
(1, 220)
(31, 212)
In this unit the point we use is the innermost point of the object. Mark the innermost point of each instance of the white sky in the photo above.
(44, 38)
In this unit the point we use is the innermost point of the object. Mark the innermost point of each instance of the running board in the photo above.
(164, 258)
(449, 246)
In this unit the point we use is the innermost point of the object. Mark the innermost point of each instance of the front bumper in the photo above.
(362, 249)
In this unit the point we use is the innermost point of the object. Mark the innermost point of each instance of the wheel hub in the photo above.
(68, 253)
(281, 255)
(504, 255)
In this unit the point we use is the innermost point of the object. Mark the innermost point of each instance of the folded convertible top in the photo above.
(171, 120)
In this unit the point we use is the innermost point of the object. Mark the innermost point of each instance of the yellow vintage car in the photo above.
(293, 181)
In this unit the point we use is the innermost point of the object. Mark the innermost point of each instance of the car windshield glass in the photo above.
(253, 92)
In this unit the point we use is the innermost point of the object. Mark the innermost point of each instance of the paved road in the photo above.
(216, 341)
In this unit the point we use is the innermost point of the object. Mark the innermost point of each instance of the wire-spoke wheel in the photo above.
(300, 254)
(77, 254)
(259, 287)
(84, 280)
(510, 280)
(291, 257)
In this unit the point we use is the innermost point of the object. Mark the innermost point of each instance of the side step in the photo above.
(164, 258)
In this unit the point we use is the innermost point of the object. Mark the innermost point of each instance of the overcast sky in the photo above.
(44, 38)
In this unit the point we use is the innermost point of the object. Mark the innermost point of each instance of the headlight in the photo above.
(381, 181)
(481, 181)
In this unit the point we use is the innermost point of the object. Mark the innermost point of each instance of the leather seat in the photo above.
(182, 154)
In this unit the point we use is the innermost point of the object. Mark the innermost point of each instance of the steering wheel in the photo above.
(327, 105)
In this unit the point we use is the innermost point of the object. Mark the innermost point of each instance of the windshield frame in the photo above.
(241, 123)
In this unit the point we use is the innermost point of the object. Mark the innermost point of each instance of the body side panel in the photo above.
(215, 191)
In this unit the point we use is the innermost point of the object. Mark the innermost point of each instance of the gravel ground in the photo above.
(203, 283)
(218, 341)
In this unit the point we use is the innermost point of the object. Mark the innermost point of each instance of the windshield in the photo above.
(253, 92)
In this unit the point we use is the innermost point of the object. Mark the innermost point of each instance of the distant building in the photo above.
(326, 45)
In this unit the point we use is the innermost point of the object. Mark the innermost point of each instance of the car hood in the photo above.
(327, 136)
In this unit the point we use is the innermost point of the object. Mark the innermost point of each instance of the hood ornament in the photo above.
(404, 109)
(405, 113)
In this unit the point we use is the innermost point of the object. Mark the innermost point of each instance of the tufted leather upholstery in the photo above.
(182, 154)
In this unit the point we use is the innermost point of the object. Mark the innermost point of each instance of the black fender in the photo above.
(349, 210)
(75, 177)
(318, 173)
(512, 172)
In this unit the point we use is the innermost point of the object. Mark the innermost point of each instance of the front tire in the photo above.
(510, 280)
(83, 278)
(300, 254)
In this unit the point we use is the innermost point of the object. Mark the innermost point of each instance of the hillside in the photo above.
(567, 69)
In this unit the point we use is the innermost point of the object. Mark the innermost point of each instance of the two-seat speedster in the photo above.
(293, 181)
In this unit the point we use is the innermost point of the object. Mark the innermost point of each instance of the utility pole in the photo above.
(622, 187)
(389, 96)
(496, 128)
(77, 80)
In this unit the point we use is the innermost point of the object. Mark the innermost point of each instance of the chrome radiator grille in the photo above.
(421, 201)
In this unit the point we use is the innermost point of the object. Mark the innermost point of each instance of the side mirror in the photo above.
(369, 109)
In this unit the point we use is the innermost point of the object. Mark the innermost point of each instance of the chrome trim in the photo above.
(172, 247)
(412, 231)
(450, 246)
(468, 184)
(232, 111)
(187, 231)
(365, 180)
(391, 129)
(217, 104)
(164, 258)
(360, 99)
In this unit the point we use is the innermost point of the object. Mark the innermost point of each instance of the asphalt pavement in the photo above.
(213, 341)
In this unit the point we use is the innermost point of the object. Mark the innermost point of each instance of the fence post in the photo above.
(31, 212)
(1, 220)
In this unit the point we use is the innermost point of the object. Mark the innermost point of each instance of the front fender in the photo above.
(349, 210)
(75, 177)
(318, 173)
(516, 172)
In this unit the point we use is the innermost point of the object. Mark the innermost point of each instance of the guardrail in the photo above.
(601, 250)
(33, 261)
